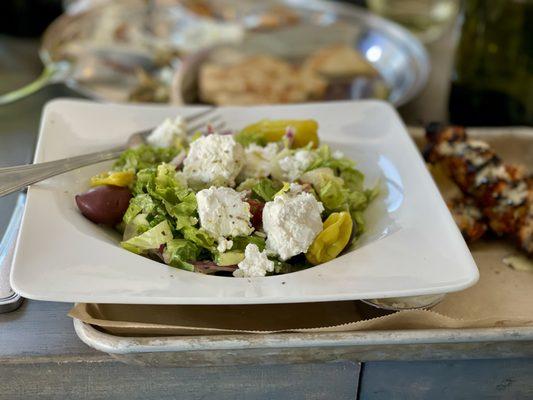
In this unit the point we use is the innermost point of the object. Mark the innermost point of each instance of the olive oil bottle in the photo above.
(492, 82)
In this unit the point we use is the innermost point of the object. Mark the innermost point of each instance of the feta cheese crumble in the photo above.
(255, 263)
(166, 133)
(295, 165)
(224, 244)
(337, 154)
(258, 160)
(214, 160)
(224, 213)
(291, 222)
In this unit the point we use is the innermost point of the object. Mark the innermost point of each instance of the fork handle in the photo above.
(15, 178)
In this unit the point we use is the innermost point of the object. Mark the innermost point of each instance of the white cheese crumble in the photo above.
(224, 244)
(255, 263)
(337, 154)
(215, 160)
(291, 223)
(295, 188)
(166, 133)
(223, 213)
(295, 165)
(258, 160)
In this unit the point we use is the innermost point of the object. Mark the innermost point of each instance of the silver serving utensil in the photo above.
(94, 67)
(9, 300)
(19, 177)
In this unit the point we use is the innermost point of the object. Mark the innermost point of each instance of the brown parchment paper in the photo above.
(502, 297)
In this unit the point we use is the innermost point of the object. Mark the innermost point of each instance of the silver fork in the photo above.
(18, 177)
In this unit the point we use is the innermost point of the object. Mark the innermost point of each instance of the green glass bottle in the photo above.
(492, 83)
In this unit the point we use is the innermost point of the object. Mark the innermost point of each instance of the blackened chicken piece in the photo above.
(468, 218)
(503, 192)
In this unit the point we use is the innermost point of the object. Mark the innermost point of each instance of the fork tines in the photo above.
(215, 122)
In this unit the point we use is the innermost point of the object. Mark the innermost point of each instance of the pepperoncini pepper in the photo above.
(119, 178)
(335, 235)
(305, 131)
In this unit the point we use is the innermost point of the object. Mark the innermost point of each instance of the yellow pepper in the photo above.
(121, 178)
(336, 232)
(305, 131)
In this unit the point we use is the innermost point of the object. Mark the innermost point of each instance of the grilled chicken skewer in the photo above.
(468, 217)
(503, 192)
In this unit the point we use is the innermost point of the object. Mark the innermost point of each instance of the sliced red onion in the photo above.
(159, 253)
(289, 135)
(210, 267)
(178, 160)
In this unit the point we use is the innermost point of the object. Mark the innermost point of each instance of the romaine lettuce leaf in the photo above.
(172, 199)
(144, 156)
(247, 184)
(199, 237)
(179, 253)
(324, 158)
(353, 179)
(249, 135)
(151, 239)
(139, 224)
(240, 242)
(265, 189)
(141, 203)
(333, 196)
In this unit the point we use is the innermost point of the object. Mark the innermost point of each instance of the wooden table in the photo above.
(41, 356)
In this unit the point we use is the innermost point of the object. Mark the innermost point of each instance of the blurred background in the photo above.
(469, 62)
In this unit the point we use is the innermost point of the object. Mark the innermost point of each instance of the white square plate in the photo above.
(412, 246)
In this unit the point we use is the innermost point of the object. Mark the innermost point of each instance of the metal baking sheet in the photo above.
(286, 348)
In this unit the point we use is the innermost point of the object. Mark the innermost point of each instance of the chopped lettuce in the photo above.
(339, 186)
(179, 253)
(247, 184)
(136, 226)
(240, 242)
(247, 137)
(199, 237)
(163, 197)
(140, 203)
(150, 240)
(266, 189)
(324, 158)
(353, 179)
(144, 156)
(333, 196)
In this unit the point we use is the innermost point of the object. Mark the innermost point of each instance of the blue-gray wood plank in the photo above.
(112, 380)
(443, 380)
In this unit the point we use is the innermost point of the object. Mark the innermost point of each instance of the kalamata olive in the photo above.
(104, 204)
(256, 209)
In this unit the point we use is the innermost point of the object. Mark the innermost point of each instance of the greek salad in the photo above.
(267, 199)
